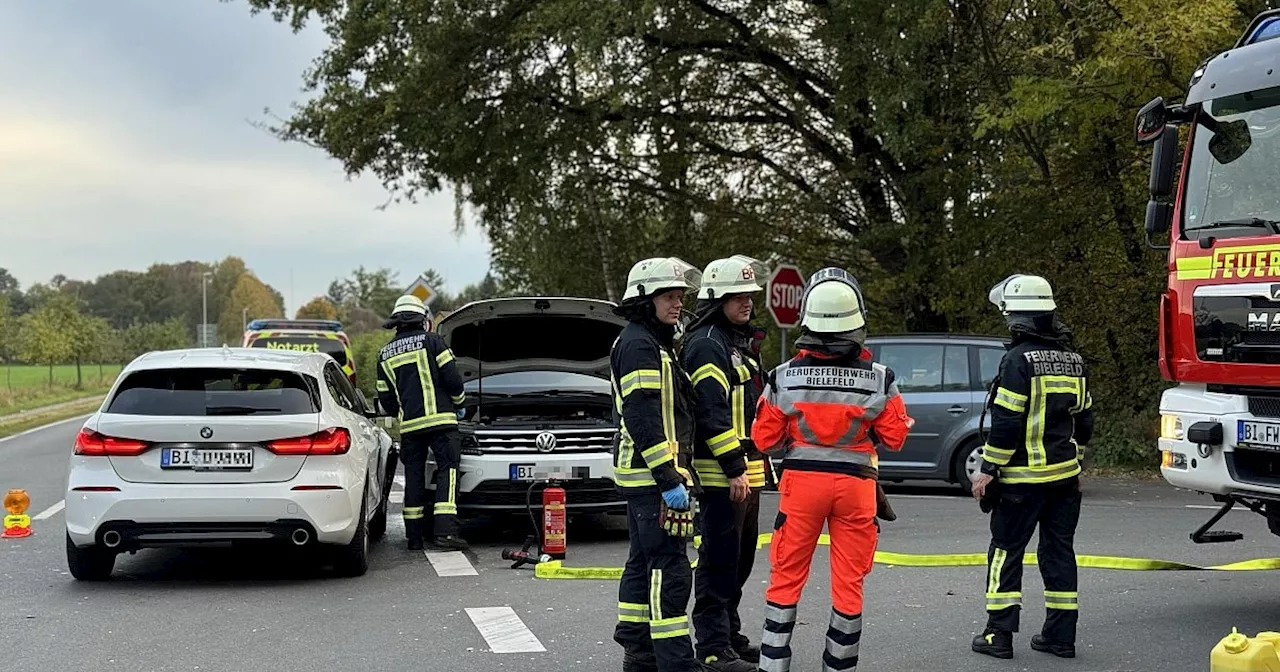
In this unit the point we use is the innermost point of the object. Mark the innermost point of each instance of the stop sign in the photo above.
(784, 293)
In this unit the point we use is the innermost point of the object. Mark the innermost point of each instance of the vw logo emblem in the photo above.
(206, 433)
(545, 442)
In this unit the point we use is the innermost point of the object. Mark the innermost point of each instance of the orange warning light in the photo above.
(17, 523)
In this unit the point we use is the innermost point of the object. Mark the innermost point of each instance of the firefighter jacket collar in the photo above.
(1044, 327)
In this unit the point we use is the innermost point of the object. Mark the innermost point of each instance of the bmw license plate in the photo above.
(200, 459)
(1258, 435)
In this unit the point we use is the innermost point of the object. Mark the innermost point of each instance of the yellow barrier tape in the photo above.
(556, 570)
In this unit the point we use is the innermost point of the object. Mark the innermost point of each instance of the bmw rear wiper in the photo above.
(1254, 222)
(238, 410)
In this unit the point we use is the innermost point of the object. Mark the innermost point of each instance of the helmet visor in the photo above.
(686, 273)
(996, 295)
(757, 268)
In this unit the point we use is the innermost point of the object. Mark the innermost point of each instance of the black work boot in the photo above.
(728, 661)
(452, 542)
(745, 649)
(639, 661)
(1040, 643)
(996, 644)
(413, 532)
(415, 544)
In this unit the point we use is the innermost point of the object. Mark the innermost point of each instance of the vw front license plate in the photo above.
(1258, 435)
(529, 472)
(206, 459)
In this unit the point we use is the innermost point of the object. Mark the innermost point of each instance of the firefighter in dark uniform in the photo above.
(716, 353)
(1041, 419)
(653, 404)
(419, 382)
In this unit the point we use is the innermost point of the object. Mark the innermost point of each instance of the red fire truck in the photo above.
(1220, 316)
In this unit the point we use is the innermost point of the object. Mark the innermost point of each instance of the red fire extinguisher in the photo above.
(553, 522)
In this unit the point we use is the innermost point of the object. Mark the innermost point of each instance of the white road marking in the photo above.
(943, 497)
(49, 512)
(504, 631)
(41, 428)
(451, 563)
(400, 480)
(396, 497)
(1213, 507)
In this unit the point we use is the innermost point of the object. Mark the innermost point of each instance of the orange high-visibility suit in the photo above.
(825, 414)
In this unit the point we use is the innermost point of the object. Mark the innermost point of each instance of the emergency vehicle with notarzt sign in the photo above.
(1220, 315)
(325, 336)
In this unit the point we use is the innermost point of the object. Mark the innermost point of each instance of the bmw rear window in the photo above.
(215, 391)
(328, 346)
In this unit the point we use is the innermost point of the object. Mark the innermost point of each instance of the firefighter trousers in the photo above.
(414, 448)
(1055, 508)
(847, 505)
(654, 590)
(726, 555)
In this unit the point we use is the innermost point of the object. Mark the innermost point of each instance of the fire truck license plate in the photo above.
(1258, 434)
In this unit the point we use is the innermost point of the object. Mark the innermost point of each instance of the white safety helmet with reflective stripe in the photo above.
(411, 304)
(660, 274)
(738, 274)
(832, 303)
(1021, 293)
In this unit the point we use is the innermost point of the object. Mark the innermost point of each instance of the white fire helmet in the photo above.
(650, 277)
(832, 303)
(738, 274)
(1021, 293)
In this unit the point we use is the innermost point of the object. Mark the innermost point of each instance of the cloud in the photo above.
(131, 146)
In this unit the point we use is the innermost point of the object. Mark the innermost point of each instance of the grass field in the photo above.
(23, 388)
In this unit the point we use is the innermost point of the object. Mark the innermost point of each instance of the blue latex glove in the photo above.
(677, 497)
(461, 413)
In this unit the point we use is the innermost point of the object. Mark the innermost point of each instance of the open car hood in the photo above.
(532, 334)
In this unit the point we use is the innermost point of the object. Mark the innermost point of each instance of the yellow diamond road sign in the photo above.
(422, 290)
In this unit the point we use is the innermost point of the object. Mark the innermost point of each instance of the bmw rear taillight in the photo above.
(332, 441)
(93, 444)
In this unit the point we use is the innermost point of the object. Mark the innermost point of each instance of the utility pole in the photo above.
(204, 309)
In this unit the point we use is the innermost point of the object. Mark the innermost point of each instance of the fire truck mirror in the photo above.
(1163, 159)
(1159, 215)
(1231, 141)
(1151, 121)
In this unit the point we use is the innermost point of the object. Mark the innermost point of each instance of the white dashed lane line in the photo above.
(51, 511)
(451, 563)
(503, 630)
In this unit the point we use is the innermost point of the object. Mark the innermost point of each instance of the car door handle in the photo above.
(957, 410)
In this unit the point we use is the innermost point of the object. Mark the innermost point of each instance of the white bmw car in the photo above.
(224, 445)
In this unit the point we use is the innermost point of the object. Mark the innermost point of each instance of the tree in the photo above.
(250, 299)
(140, 339)
(318, 308)
(46, 335)
(8, 337)
(89, 339)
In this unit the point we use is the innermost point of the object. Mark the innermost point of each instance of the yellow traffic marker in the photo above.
(556, 570)
(17, 524)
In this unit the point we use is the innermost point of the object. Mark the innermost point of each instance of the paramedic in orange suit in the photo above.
(824, 411)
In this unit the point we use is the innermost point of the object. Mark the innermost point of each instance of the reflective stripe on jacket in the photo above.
(418, 381)
(653, 406)
(724, 377)
(1041, 414)
(827, 414)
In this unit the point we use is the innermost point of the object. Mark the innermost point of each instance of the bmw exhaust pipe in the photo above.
(300, 537)
(111, 539)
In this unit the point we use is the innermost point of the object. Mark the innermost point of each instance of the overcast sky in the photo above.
(124, 141)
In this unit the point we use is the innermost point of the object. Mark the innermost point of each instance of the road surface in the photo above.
(216, 609)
